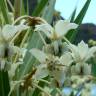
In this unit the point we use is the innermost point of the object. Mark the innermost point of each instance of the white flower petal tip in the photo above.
(63, 26)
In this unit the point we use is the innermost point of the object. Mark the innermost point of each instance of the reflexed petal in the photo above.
(41, 72)
(62, 27)
(9, 31)
(66, 59)
(75, 53)
(87, 69)
(46, 28)
(59, 75)
(78, 68)
(91, 52)
(21, 27)
(39, 55)
(83, 49)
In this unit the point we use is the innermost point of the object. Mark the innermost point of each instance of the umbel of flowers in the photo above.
(67, 67)
(62, 63)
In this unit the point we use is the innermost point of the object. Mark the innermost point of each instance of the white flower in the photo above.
(60, 29)
(82, 52)
(9, 31)
(50, 65)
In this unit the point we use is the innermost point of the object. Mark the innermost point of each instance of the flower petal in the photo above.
(9, 31)
(83, 49)
(91, 52)
(59, 75)
(87, 69)
(66, 59)
(41, 72)
(63, 26)
(45, 28)
(74, 50)
(39, 55)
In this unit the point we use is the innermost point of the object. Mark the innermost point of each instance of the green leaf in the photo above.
(4, 9)
(4, 83)
(47, 15)
(38, 54)
(29, 60)
(34, 42)
(82, 13)
(72, 34)
(39, 7)
(73, 15)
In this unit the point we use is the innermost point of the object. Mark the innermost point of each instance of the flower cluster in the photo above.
(7, 48)
(60, 61)
(70, 64)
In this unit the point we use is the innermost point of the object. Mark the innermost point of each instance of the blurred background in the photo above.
(66, 7)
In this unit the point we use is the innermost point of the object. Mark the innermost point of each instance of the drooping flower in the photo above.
(7, 49)
(60, 29)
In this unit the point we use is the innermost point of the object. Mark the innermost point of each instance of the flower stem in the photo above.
(40, 88)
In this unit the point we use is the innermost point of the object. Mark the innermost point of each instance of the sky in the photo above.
(66, 7)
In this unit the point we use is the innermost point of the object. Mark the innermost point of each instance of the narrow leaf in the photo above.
(4, 9)
(39, 7)
(73, 15)
(82, 13)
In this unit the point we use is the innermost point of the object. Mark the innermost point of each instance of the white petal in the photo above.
(46, 28)
(66, 59)
(9, 31)
(59, 76)
(91, 52)
(83, 49)
(41, 72)
(78, 68)
(39, 55)
(21, 27)
(2, 64)
(62, 27)
(87, 69)
(75, 54)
